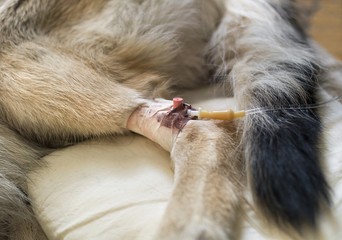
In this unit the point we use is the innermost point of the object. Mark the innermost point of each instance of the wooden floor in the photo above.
(327, 26)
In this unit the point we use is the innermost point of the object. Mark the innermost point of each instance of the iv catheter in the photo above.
(220, 115)
(230, 114)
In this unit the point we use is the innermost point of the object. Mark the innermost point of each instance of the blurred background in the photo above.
(327, 26)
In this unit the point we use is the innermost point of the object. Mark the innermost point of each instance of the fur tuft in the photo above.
(285, 175)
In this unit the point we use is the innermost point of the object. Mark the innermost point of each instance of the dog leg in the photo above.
(64, 100)
(207, 165)
(147, 120)
(207, 189)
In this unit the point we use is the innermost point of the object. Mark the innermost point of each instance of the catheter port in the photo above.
(160, 121)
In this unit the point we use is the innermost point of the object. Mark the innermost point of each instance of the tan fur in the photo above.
(75, 69)
(89, 59)
(208, 188)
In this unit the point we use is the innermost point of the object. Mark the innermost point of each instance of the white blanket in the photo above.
(118, 188)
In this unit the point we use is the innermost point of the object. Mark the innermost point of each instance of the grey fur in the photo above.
(18, 157)
(64, 66)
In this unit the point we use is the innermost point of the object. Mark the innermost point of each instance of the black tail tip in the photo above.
(287, 181)
(290, 189)
(291, 207)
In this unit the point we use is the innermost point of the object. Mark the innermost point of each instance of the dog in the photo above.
(71, 70)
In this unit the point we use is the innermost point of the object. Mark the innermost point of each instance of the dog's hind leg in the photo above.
(17, 158)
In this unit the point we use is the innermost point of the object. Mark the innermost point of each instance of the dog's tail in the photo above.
(281, 149)
(17, 158)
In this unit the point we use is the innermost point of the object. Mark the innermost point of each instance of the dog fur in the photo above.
(77, 69)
